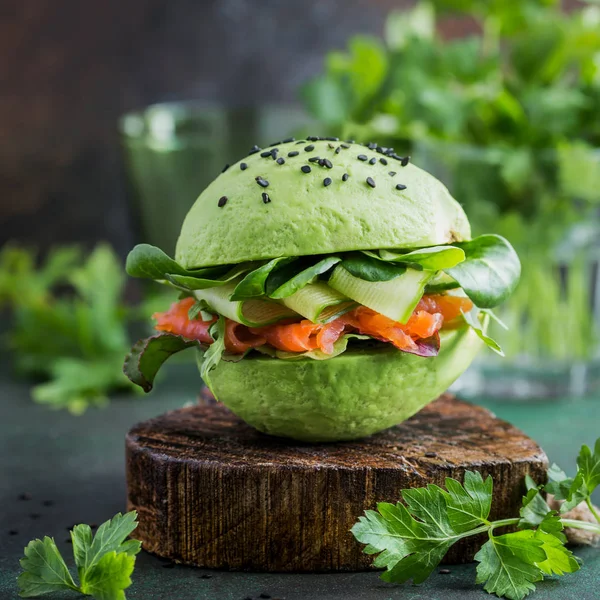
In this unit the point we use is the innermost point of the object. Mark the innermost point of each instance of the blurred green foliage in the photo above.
(530, 76)
(68, 325)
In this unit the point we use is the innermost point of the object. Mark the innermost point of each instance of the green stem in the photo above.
(574, 524)
(593, 510)
(503, 523)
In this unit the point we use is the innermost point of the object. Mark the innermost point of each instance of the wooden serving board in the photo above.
(213, 492)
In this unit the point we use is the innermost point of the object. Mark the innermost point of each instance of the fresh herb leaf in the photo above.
(434, 258)
(507, 564)
(214, 353)
(201, 309)
(108, 579)
(253, 284)
(469, 504)
(44, 570)
(304, 277)
(572, 490)
(479, 328)
(490, 272)
(104, 562)
(371, 269)
(410, 539)
(190, 283)
(535, 509)
(148, 355)
(589, 466)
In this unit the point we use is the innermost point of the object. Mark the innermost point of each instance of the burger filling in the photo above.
(316, 307)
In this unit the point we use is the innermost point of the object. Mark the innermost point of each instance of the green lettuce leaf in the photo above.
(435, 258)
(490, 272)
(149, 262)
(253, 284)
(148, 355)
(369, 268)
(304, 277)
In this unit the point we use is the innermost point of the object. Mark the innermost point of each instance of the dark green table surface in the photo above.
(73, 468)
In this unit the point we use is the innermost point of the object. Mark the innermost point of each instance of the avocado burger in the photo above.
(331, 289)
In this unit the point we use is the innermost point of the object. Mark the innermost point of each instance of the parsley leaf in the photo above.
(411, 538)
(44, 569)
(109, 577)
(507, 564)
(589, 466)
(104, 562)
(469, 504)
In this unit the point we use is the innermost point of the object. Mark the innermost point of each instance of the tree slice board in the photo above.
(213, 492)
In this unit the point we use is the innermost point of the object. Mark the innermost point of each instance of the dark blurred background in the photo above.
(68, 70)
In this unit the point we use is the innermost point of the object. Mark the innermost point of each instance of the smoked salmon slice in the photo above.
(304, 336)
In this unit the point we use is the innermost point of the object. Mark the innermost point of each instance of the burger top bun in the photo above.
(317, 197)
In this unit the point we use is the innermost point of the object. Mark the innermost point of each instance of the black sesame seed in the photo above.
(405, 161)
(305, 169)
(393, 155)
(274, 153)
(371, 145)
(392, 173)
(25, 496)
(48, 502)
(265, 153)
(265, 198)
(13, 532)
(293, 153)
(280, 161)
(327, 163)
(346, 146)
(332, 139)
(371, 182)
(205, 576)
(300, 142)
(243, 166)
(288, 140)
(400, 187)
(338, 149)
(383, 161)
(309, 148)
(254, 149)
(262, 182)
(327, 181)
(313, 138)
(345, 177)
(264, 596)
(275, 144)
(314, 159)
(373, 161)
(222, 201)
(362, 157)
(225, 168)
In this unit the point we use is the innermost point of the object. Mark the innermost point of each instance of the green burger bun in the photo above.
(350, 396)
(305, 216)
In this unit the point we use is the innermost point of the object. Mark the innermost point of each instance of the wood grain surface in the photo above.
(213, 492)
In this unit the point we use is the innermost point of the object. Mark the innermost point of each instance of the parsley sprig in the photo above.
(104, 561)
(410, 538)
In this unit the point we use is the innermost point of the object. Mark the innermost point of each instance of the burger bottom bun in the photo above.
(353, 395)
